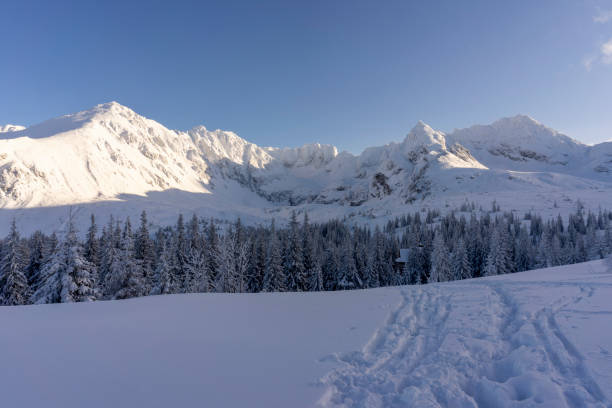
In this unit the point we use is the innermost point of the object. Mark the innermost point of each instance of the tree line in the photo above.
(200, 255)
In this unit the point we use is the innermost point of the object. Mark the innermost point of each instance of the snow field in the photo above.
(540, 338)
(197, 350)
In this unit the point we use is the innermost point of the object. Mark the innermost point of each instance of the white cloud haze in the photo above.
(606, 52)
(603, 16)
(604, 56)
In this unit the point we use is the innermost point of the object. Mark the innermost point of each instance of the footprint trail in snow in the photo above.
(496, 342)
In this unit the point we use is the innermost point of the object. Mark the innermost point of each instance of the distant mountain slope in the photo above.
(110, 159)
(10, 128)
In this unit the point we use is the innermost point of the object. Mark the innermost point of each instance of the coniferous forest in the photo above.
(119, 260)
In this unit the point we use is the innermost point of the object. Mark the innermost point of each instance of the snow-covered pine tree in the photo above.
(144, 252)
(112, 273)
(382, 264)
(315, 281)
(162, 283)
(67, 276)
(195, 272)
(330, 266)
(440, 263)
(37, 257)
(309, 257)
(523, 256)
(194, 260)
(545, 249)
(131, 281)
(212, 255)
(13, 282)
(274, 278)
(361, 255)
(180, 247)
(348, 278)
(499, 257)
(79, 281)
(257, 263)
(371, 274)
(92, 245)
(460, 263)
(225, 282)
(294, 261)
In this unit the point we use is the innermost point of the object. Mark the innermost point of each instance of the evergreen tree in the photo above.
(144, 252)
(37, 258)
(294, 261)
(130, 282)
(461, 265)
(348, 278)
(257, 264)
(13, 282)
(330, 267)
(67, 276)
(162, 283)
(440, 263)
(212, 255)
(311, 267)
(274, 279)
(226, 278)
(92, 245)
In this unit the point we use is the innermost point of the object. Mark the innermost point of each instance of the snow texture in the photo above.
(539, 338)
(110, 160)
(10, 128)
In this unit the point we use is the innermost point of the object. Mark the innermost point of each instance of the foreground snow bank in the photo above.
(540, 338)
(201, 350)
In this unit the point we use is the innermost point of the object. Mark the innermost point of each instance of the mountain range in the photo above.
(111, 160)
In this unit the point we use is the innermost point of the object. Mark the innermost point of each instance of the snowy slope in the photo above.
(109, 160)
(539, 338)
(10, 128)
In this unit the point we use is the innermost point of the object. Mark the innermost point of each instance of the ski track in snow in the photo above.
(473, 344)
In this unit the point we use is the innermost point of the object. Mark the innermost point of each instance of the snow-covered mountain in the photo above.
(109, 159)
(10, 128)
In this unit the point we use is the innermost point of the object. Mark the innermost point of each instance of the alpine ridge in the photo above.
(110, 160)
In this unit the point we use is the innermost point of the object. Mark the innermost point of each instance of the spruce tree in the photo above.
(92, 245)
(294, 261)
(13, 282)
(460, 264)
(144, 252)
(212, 255)
(162, 283)
(67, 276)
(440, 263)
(274, 279)
(130, 282)
(348, 278)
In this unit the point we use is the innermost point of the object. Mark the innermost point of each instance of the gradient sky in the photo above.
(285, 73)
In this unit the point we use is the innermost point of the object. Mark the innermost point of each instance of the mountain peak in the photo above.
(112, 108)
(423, 134)
(421, 127)
(518, 121)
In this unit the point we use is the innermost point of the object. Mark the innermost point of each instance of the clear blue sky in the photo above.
(353, 73)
